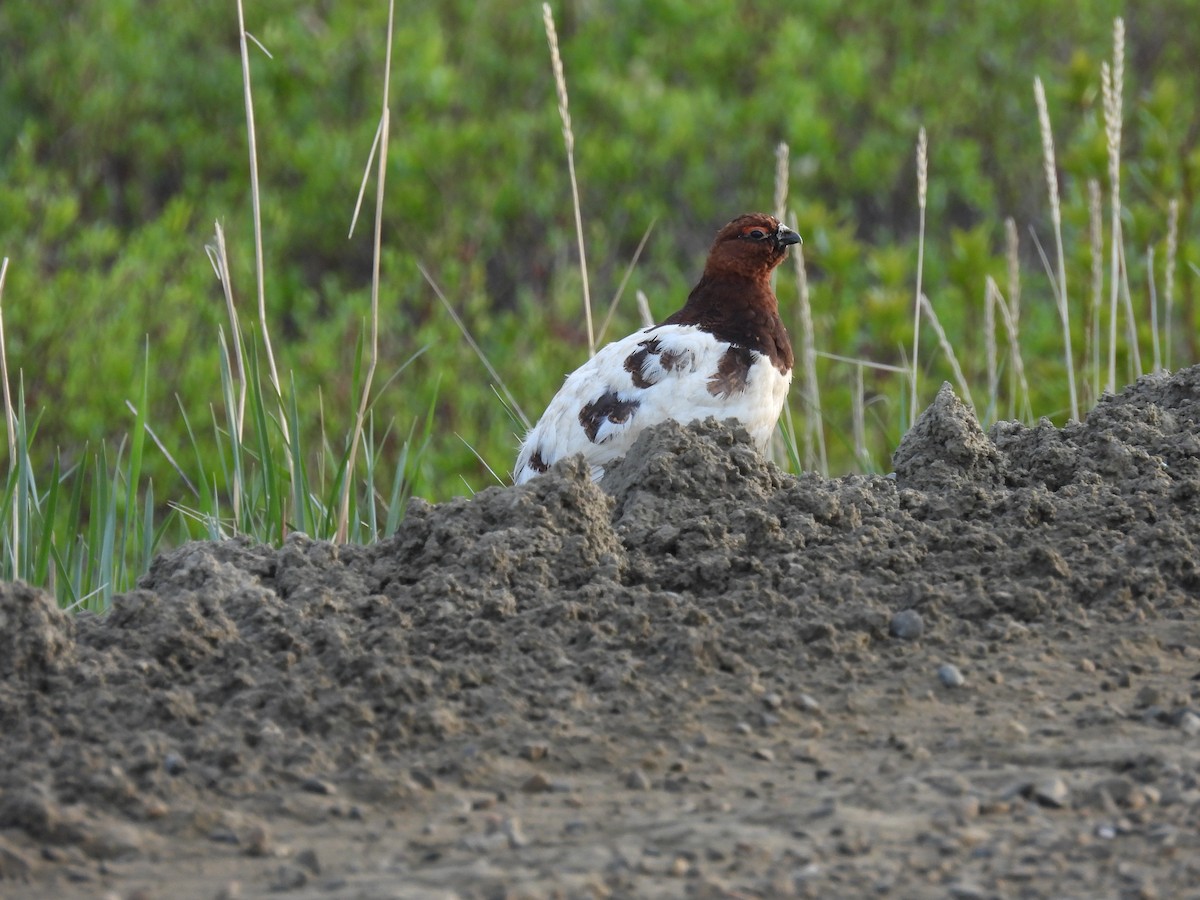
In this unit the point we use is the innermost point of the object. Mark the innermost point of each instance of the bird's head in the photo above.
(752, 245)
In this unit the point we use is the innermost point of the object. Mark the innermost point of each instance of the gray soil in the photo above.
(706, 678)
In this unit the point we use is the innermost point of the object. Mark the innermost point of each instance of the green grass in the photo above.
(256, 445)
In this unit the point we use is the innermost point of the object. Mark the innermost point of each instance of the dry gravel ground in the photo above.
(979, 678)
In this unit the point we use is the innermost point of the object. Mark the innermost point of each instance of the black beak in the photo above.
(785, 237)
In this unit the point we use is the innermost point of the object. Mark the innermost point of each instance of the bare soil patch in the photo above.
(977, 678)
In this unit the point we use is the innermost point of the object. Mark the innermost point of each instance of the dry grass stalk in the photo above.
(1112, 85)
(815, 455)
(922, 193)
(10, 421)
(1135, 353)
(859, 420)
(1169, 279)
(612, 306)
(1155, 347)
(1060, 293)
(782, 154)
(1096, 234)
(1014, 350)
(255, 199)
(944, 342)
(990, 352)
(1012, 257)
(564, 113)
(218, 256)
(9, 414)
(643, 306)
(364, 400)
(466, 333)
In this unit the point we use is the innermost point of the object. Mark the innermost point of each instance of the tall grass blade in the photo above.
(564, 113)
(922, 193)
(944, 343)
(1169, 280)
(1060, 278)
(1112, 88)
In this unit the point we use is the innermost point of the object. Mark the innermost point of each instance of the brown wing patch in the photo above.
(536, 462)
(608, 408)
(670, 359)
(732, 373)
(635, 363)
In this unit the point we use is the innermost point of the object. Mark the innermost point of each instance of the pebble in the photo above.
(907, 625)
(423, 779)
(174, 764)
(1051, 792)
(315, 785)
(307, 859)
(288, 878)
(765, 754)
(537, 784)
(535, 750)
(510, 827)
(230, 891)
(1148, 695)
(950, 676)
(808, 703)
(258, 841)
(772, 700)
(1189, 723)
(637, 780)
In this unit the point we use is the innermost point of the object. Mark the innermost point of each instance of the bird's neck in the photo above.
(740, 310)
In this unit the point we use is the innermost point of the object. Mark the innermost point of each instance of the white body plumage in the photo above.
(665, 372)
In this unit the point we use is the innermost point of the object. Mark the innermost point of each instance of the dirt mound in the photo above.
(696, 584)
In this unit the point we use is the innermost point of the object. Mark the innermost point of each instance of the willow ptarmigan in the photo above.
(724, 354)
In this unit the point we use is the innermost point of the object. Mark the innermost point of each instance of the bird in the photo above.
(724, 353)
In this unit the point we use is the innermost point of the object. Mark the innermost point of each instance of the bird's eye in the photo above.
(755, 234)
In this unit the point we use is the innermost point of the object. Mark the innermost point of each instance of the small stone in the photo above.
(314, 785)
(965, 890)
(1014, 730)
(743, 728)
(907, 625)
(808, 703)
(1121, 792)
(511, 827)
(1188, 722)
(535, 750)
(765, 754)
(637, 780)
(423, 779)
(1086, 665)
(1052, 792)
(772, 700)
(950, 676)
(1147, 695)
(307, 859)
(230, 891)
(258, 841)
(288, 878)
(174, 764)
(537, 784)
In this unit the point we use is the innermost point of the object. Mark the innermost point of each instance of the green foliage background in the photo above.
(122, 139)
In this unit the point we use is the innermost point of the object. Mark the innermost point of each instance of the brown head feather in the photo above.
(733, 300)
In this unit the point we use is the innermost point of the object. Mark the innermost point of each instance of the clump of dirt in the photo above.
(700, 638)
